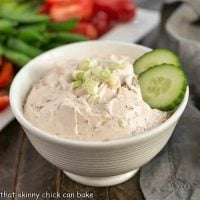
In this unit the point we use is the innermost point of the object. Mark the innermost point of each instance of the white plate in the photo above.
(133, 31)
(136, 29)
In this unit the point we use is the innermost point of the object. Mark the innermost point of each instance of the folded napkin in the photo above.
(175, 173)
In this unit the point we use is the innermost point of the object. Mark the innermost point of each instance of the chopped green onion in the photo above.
(96, 70)
(95, 99)
(90, 75)
(77, 84)
(87, 75)
(91, 86)
(104, 75)
(122, 122)
(114, 66)
(113, 81)
(85, 65)
(78, 75)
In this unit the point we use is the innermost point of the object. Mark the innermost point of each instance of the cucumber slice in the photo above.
(163, 86)
(155, 57)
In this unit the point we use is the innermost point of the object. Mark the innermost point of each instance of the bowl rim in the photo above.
(97, 144)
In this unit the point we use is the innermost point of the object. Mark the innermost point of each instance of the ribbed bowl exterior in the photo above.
(89, 158)
(100, 161)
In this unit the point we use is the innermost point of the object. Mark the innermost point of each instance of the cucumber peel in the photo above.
(163, 86)
(155, 57)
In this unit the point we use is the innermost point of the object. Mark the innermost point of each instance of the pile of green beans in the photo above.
(25, 34)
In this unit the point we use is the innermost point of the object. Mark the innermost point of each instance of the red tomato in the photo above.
(61, 1)
(87, 29)
(63, 11)
(6, 73)
(121, 10)
(102, 22)
(44, 9)
(4, 101)
(127, 11)
(1, 61)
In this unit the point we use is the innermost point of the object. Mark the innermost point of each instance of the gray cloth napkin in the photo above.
(175, 173)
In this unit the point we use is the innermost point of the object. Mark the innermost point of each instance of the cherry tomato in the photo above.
(64, 11)
(44, 9)
(6, 73)
(87, 29)
(102, 22)
(61, 1)
(4, 101)
(127, 12)
(1, 61)
(120, 10)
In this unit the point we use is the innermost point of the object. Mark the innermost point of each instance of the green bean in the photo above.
(16, 6)
(63, 26)
(6, 27)
(51, 45)
(58, 39)
(2, 38)
(25, 7)
(1, 50)
(40, 27)
(23, 47)
(17, 58)
(25, 18)
(67, 38)
(29, 35)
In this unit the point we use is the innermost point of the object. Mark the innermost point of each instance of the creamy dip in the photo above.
(91, 100)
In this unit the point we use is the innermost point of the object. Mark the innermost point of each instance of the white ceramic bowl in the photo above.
(90, 163)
